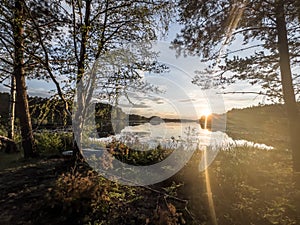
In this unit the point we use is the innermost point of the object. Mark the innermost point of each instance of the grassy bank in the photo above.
(262, 124)
(248, 185)
(253, 186)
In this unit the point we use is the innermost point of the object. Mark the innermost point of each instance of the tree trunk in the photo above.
(80, 104)
(19, 74)
(287, 85)
(8, 142)
(11, 127)
(298, 9)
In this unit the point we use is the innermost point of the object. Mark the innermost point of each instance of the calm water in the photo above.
(173, 134)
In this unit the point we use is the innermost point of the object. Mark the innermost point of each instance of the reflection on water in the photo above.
(148, 141)
(173, 135)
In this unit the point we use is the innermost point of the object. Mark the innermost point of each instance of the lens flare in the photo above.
(206, 112)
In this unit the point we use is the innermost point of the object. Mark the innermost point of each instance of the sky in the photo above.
(181, 98)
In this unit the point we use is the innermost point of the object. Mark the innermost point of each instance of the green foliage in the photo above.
(136, 157)
(67, 140)
(77, 194)
(266, 124)
(3, 131)
(48, 112)
(254, 186)
(211, 26)
(172, 190)
(50, 142)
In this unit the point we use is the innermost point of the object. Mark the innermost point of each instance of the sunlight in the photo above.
(209, 193)
(206, 112)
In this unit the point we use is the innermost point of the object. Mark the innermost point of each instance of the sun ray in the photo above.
(206, 112)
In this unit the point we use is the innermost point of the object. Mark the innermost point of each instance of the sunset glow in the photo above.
(206, 112)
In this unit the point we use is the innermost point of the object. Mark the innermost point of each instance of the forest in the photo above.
(97, 144)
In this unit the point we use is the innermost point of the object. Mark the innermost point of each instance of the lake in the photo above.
(184, 138)
(172, 134)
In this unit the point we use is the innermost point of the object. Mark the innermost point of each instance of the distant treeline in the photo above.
(44, 112)
(49, 114)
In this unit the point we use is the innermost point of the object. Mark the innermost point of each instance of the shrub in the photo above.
(136, 157)
(49, 142)
(78, 196)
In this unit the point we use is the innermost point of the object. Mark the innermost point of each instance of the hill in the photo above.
(49, 114)
(264, 124)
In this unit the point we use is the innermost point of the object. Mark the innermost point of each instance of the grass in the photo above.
(249, 185)
(9, 160)
(262, 124)
(253, 186)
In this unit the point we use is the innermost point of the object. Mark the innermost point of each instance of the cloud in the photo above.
(40, 92)
(187, 100)
(140, 106)
(160, 102)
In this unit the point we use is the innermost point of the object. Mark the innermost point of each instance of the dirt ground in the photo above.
(25, 188)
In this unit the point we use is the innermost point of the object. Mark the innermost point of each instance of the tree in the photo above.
(98, 27)
(65, 38)
(20, 76)
(6, 62)
(270, 34)
(21, 57)
(12, 115)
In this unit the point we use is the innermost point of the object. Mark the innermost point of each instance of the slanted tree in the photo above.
(65, 39)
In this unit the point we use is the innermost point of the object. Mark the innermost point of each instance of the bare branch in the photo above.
(244, 49)
(109, 9)
(5, 71)
(47, 64)
(74, 31)
(102, 41)
(6, 61)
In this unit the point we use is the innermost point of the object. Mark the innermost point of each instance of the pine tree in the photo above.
(269, 28)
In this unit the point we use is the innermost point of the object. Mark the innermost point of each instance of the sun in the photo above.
(205, 112)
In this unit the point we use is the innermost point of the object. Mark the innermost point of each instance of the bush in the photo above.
(254, 186)
(78, 197)
(2, 130)
(136, 157)
(48, 142)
